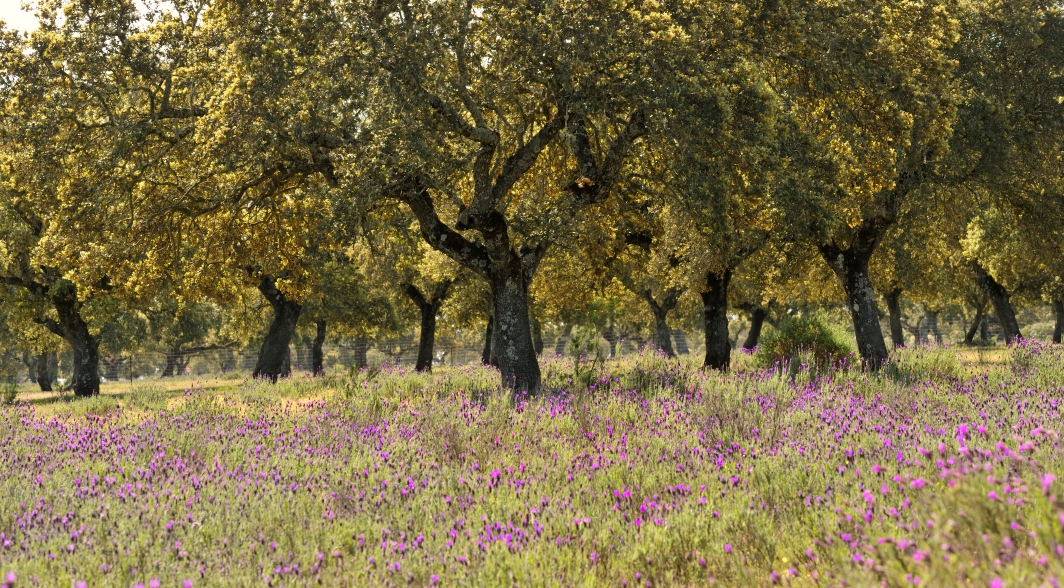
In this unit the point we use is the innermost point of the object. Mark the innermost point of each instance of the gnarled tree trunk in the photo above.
(897, 333)
(999, 297)
(75, 331)
(715, 314)
(851, 267)
(274, 355)
(317, 357)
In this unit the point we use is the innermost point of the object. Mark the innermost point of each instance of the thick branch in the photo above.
(436, 233)
(414, 294)
(594, 183)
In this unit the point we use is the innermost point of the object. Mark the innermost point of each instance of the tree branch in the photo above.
(594, 183)
(442, 237)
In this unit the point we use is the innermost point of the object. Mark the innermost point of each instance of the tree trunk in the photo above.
(563, 340)
(757, 322)
(1058, 328)
(30, 361)
(715, 314)
(984, 336)
(511, 343)
(428, 308)
(171, 364)
(610, 335)
(485, 356)
(897, 334)
(662, 333)
(681, 342)
(275, 356)
(42, 375)
(428, 338)
(317, 357)
(999, 297)
(851, 266)
(75, 331)
(359, 358)
(929, 327)
(969, 337)
(537, 335)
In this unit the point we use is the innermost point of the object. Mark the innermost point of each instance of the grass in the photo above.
(639, 472)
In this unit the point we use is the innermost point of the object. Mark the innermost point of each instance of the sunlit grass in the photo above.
(619, 473)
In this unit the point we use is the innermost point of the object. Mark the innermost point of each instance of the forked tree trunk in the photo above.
(428, 308)
(317, 357)
(715, 315)
(999, 297)
(851, 267)
(275, 356)
(897, 333)
(757, 323)
(1058, 328)
(969, 337)
(43, 374)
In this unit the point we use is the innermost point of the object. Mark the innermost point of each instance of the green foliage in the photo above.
(805, 336)
(8, 391)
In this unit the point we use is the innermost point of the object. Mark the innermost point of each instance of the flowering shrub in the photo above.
(397, 478)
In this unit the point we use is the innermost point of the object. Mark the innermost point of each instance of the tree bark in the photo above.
(610, 335)
(511, 343)
(43, 375)
(537, 335)
(662, 333)
(897, 333)
(428, 308)
(485, 356)
(317, 357)
(563, 340)
(275, 355)
(715, 314)
(359, 358)
(999, 297)
(851, 266)
(171, 364)
(757, 322)
(75, 331)
(1058, 328)
(929, 327)
(969, 337)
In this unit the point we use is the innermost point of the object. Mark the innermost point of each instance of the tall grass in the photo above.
(636, 472)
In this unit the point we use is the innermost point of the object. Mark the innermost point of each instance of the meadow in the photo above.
(945, 468)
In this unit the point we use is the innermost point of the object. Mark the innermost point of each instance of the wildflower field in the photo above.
(936, 471)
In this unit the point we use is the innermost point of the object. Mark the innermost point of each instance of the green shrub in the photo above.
(805, 335)
(8, 391)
